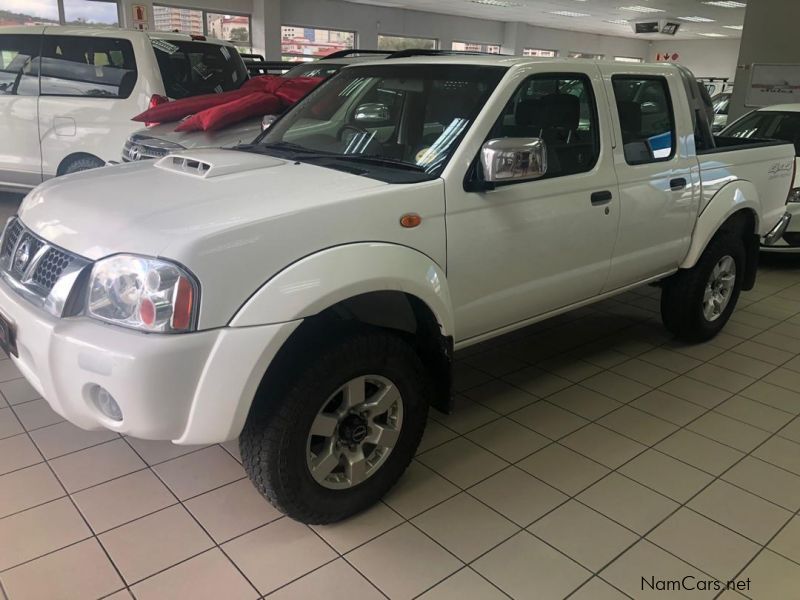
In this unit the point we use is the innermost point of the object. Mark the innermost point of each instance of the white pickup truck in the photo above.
(306, 292)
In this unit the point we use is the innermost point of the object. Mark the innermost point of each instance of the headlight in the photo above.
(149, 294)
(794, 195)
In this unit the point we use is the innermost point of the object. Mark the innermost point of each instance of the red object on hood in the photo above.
(270, 91)
(219, 117)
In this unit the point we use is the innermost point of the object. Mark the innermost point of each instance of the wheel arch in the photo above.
(735, 205)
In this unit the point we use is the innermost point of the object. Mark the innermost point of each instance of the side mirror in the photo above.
(267, 121)
(513, 159)
(373, 112)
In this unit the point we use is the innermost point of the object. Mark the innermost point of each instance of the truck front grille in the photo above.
(34, 267)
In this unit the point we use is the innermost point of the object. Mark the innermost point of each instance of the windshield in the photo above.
(720, 104)
(403, 117)
(768, 125)
(191, 68)
(314, 69)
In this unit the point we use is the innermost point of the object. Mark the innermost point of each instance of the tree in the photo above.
(239, 34)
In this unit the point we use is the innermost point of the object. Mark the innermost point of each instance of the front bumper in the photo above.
(191, 388)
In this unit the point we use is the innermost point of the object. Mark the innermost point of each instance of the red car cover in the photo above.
(262, 95)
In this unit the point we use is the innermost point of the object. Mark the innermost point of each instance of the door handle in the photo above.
(600, 198)
(677, 184)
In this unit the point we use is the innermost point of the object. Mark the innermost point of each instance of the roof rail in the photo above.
(352, 52)
(430, 52)
(264, 67)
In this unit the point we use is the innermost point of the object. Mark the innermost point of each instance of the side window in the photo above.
(87, 66)
(646, 118)
(561, 110)
(19, 60)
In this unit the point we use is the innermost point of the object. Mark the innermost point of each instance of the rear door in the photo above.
(20, 158)
(527, 248)
(657, 171)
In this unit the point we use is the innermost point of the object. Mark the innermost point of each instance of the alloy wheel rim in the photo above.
(354, 432)
(719, 288)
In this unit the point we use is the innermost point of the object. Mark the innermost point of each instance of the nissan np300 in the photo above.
(306, 292)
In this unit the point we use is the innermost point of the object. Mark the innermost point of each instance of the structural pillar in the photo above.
(769, 36)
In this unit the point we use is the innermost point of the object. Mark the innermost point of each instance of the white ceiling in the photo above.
(539, 12)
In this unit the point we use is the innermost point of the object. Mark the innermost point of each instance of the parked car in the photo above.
(159, 140)
(781, 122)
(67, 94)
(721, 103)
(306, 292)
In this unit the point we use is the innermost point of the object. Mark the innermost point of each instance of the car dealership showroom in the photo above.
(355, 299)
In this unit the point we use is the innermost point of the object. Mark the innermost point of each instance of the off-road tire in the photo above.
(682, 294)
(273, 441)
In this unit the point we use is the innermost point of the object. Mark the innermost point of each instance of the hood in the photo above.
(147, 206)
(243, 132)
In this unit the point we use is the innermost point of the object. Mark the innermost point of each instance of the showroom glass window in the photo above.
(402, 42)
(46, 12)
(646, 118)
(309, 43)
(539, 52)
(87, 66)
(173, 18)
(587, 55)
(232, 28)
(91, 12)
(19, 58)
(560, 110)
(475, 47)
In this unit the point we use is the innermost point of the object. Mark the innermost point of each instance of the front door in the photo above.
(20, 158)
(531, 247)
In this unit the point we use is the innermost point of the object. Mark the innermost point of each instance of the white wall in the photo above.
(568, 41)
(705, 58)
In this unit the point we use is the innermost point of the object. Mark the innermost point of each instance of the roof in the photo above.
(781, 108)
(103, 31)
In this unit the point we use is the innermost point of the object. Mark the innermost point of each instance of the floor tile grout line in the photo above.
(191, 516)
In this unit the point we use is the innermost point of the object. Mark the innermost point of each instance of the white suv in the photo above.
(67, 94)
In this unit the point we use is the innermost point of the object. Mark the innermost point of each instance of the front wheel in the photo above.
(696, 303)
(342, 432)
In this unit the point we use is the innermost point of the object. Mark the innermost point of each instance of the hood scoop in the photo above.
(207, 164)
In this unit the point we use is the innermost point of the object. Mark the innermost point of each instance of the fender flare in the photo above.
(321, 280)
(731, 198)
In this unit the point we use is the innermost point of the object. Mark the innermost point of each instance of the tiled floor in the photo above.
(586, 453)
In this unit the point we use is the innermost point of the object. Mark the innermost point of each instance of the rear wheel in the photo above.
(696, 303)
(342, 432)
(83, 163)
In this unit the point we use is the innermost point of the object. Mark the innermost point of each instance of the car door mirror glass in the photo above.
(372, 113)
(513, 159)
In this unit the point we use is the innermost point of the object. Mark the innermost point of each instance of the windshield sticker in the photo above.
(164, 46)
(225, 52)
(202, 70)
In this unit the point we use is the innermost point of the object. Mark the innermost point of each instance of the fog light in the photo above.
(106, 404)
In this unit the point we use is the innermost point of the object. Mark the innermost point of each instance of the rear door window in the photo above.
(646, 118)
(19, 60)
(192, 68)
(87, 66)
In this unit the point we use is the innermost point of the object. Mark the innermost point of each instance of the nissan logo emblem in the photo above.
(22, 255)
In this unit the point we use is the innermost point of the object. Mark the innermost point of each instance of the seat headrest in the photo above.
(561, 111)
(630, 116)
(528, 113)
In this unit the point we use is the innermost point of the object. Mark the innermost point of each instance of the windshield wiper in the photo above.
(375, 160)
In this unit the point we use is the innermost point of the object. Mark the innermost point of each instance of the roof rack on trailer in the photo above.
(354, 52)
(429, 52)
